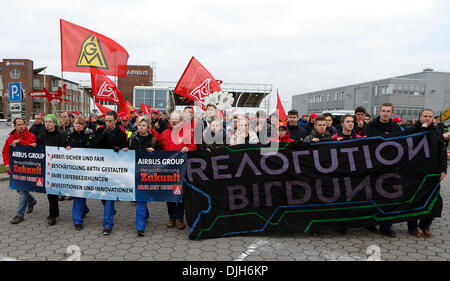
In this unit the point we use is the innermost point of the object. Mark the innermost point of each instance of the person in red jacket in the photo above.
(177, 137)
(22, 136)
(345, 131)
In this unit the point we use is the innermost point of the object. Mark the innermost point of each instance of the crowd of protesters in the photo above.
(204, 131)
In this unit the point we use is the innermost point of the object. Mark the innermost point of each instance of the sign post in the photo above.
(15, 92)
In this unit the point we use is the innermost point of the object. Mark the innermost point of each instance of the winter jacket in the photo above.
(65, 129)
(138, 142)
(213, 141)
(37, 129)
(360, 131)
(332, 130)
(111, 139)
(339, 133)
(163, 125)
(55, 138)
(303, 123)
(239, 139)
(167, 143)
(84, 138)
(315, 134)
(297, 133)
(26, 138)
(376, 128)
(265, 133)
(309, 127)
(437, 144)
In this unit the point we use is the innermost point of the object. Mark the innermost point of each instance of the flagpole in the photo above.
(62, 72)
(45, 86)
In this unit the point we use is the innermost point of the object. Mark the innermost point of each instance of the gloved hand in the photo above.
(116, 149)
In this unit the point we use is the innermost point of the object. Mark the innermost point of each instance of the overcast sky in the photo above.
(297, 46)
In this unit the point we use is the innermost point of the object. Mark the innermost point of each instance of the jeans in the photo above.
(79, 209)
(108, 213)
(25, 199)
(175, 210)
(424, 223)
(142, 215)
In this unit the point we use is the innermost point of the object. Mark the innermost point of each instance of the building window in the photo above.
(156, 98)
(409, 90)
(36, 84)
(15, 73)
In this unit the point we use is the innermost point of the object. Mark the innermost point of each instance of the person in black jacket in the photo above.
(380, 126)
(214, 137)
(437, 145)
(79, 136)
(113, 137)
(66, 124)
(51, 137)
(157, 123)
(37, 127)
(360, 127)
(296, 132)
(143, 139)
(263, 127)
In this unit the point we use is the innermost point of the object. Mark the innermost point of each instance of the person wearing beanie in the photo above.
(310, 126)
(51, 137)
(304, 121)
(398, 121)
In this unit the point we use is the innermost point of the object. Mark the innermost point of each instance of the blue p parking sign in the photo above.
(15, 92)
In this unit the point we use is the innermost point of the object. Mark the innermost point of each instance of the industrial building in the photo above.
(408, 93)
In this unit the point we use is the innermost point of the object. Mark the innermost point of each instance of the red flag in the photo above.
(146, 109)
(102, 108)
(83, 50)
(281, 113)
(104, 89)
(196, 83)
(129, 106)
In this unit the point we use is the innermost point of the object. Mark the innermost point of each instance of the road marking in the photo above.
(3, 258)
(251, 249)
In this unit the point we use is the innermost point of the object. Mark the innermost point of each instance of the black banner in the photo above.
(302, 188)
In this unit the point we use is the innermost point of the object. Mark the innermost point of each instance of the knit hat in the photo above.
(53, 117)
